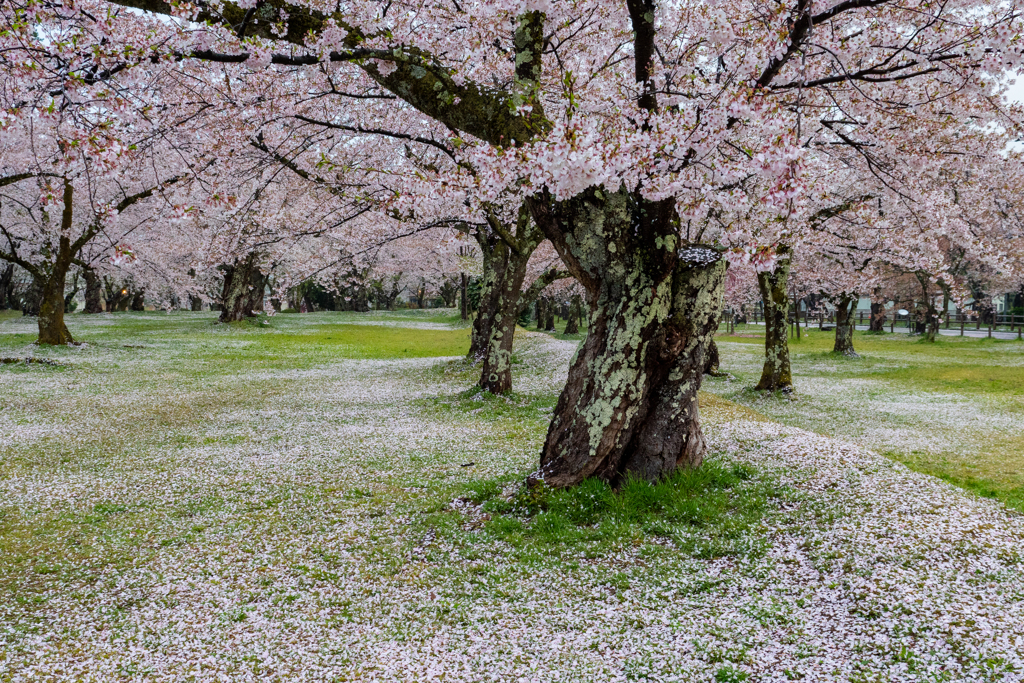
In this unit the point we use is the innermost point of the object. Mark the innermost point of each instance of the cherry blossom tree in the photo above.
(622, 124)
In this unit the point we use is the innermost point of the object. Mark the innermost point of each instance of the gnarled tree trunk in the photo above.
(776, 374)
(845, 307)
(242, 294)
(629, 407)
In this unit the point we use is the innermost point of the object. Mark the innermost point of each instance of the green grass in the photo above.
(707, 512)
(970, 391)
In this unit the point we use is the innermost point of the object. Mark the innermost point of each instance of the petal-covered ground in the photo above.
(194, 508)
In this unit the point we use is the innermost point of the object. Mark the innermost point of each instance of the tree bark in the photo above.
(242, 294)
(845, 320)
(629, 406)
(877, 323)
(6, 278)
(930, 326)
(93, 303)
(139, 300)
(776, 374)
(52, 330)
(712, 360)
(572, 321)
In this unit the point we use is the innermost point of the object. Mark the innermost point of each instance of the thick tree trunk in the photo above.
(845, 321)
(139, 300)
(877, 323)
(195, 303)
(629, 407)
(776, 374)
(242, 294)
(542, 314)
(52, 330)
(93, 300)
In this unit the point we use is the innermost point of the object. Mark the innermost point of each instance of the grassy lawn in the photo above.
(323, 497)
(953, 408)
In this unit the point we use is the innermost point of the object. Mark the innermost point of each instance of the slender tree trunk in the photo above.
(542, 313)
(549, 312)
(6, 278)
(776, 374)
(52, 330)
(629, 406)
(93, 300)
(242, 294)
(845, 320)
(463, 300)
(572, 321)
(931, 316)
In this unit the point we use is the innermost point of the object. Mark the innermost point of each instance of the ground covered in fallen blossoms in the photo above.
(299, 501)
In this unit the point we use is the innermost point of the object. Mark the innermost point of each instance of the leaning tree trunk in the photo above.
(52, 330)
(242, 294)
(629, 406)
(93, 298)
(845, 321)
(776, 374)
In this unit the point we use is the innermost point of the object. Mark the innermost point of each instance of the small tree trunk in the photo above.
(463, 299)
(712, 360)
(52, 330)
(542, 313)
(6, 278)
(930, 324)
(549, 311)
(572, 325)
(93, 300)
(845, 309)
(242, 294)
(877, 322)
(776, 374)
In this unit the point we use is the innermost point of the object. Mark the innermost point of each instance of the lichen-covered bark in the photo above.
(629, 404)
(776, 374)
(495, 324)
(243, 290)
(846, 306)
